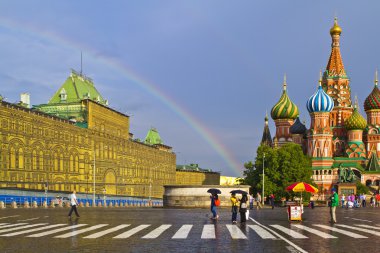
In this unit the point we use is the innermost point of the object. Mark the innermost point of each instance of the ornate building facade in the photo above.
(343, 145)
(75, 142)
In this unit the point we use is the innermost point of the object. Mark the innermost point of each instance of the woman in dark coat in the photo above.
(243, 208)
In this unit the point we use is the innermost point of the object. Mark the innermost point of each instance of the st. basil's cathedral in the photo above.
(343, 145)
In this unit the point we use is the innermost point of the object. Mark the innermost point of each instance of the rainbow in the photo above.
(234, 165)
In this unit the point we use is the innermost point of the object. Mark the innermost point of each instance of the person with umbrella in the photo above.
(243, 208)
(214, 202)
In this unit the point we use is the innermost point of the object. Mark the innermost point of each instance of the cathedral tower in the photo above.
(266, 139)
(319, 138)
(284, 113)
(336, 83)
(372, 108)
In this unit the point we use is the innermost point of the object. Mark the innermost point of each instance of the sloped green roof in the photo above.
(153, 137)
(75, 88)
(373, 163)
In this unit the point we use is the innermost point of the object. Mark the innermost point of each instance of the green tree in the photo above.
(282, 167)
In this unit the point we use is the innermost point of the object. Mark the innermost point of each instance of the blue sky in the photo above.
(221, 62)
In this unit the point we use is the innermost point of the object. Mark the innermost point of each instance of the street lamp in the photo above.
(262, 197)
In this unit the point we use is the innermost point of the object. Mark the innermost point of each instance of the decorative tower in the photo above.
(298, 131)
(267, 139)
(319, 138)
(355, 125)
(284, 113)
(336, 83)
(372, 132)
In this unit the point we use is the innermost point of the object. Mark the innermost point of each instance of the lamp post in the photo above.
(262, 197)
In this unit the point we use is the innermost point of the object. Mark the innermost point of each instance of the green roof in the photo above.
(373, 163)
(193, 167)
(76, 88)
(153, 137)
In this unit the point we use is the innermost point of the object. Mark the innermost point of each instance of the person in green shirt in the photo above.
(334, 203)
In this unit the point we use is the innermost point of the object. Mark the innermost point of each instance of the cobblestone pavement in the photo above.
(186, 230)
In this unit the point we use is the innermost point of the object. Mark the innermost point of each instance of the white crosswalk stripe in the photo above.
(314, 231)
(263, 233)
(157, 232)
(8, 217)
(3, 224)
(235, 232)
(81, 231)
(32, 230)
(360, 229)
(12, 225)
(183, 232)
(131, 232)
(100, 234)
(350, 234)
(368, 226)
(208, 232)
(22, 227)
(56, 230)
(290, 232)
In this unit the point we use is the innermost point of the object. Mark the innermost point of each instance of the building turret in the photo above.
(266, 139)
(284, 113)
(372, 132)
(336, 84)
(355, 126)
(298, 131)
(319, 138)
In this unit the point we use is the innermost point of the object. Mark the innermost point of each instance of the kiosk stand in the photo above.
(294, 211)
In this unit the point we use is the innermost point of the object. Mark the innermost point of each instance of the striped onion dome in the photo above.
(285, 108)
(297, 127)
(320, 101)
(356, 121)
(373, 100)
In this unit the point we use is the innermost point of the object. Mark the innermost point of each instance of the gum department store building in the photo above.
(58, 146)
(343, 145)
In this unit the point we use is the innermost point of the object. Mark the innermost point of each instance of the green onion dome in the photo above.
(285, 108)
(355, 121)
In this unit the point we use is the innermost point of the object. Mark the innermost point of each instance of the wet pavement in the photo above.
(186, 230)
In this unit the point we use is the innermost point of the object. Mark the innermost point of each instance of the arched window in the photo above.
(40, 161)
(34, 160)
(76, 163)
(72, 163)
(12, 158)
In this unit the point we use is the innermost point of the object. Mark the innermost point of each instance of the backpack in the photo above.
(217, 202)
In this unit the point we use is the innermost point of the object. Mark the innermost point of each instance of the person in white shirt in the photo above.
(74, 203)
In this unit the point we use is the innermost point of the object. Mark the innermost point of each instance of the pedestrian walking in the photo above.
(251, 198)
(271, 199)
(334, 199)
(258, 201)
(343, 199)
(363, 200)
(73, 203)
(243, 208)
(234, 207)
(214, 198)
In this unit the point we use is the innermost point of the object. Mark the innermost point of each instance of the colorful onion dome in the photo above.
(297, 127)
(336, 28)
(320, 101)
(285, 108)
(356, 121)
(372, 102)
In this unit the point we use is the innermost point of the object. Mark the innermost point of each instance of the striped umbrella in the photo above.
(302, 187)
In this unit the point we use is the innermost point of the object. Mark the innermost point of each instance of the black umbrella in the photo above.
(214, 191)
(238, 192)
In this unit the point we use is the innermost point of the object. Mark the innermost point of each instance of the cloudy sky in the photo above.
(202, 72)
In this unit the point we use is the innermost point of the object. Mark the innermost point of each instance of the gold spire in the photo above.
(356, 105)
(284, 83)
(376, 79)
(320, 78)
(336, 28)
